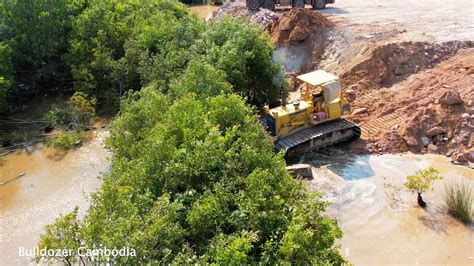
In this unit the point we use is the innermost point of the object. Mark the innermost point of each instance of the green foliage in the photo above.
(38, 33)
(201, 79)
(244, 53)
(57, 116)
(121, 45)
(81, 108)
(233, 249)
(195, 180)
(64, 233)
(422, 179)
(110, 47)
(459, 200)
(310, 235)
(65, 141)
(6, 76)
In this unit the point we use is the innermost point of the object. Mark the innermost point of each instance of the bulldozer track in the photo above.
(369, 97)
(381, 124)
(318, 136)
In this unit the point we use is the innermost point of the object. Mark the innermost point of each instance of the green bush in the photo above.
(6, 77)
(79, 109)
(244, 52)
(421, 182)
(116, 46)
(65, 141)
(196, 180)
(57, 116)
(459, 200)
(38, 33)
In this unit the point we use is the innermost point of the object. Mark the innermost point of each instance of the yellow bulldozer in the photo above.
(314, 122)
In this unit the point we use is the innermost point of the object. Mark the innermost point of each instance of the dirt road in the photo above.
(444, 20)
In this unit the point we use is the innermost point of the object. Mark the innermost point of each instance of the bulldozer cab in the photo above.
(321, 85)
(324, 91)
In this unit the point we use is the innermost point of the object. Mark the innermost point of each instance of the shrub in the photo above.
(196, 181)
(421, 181)
(57, 116)
(67, 227)
(38, 33)
(65, 141)
(81, 108)
(459, 200)
(6, 77)
(244, 52)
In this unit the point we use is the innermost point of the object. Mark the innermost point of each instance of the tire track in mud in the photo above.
(381, 124)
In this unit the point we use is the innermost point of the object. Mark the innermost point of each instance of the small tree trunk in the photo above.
(421, 202)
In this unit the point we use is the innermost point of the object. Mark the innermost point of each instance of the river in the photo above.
(53, 183)
(378, 228)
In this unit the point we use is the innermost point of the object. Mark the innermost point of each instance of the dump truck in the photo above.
(271, 4)
(315, 121)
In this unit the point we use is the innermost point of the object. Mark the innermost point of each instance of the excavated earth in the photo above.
(406, 95)
(431, 111)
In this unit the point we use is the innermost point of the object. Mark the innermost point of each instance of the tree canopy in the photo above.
(194, 178)
(105, 48)
(38, 34)
(6, 76)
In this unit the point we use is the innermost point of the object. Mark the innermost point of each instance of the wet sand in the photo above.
(389, 228)
(54, 182)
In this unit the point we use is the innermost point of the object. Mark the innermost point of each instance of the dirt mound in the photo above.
(388, 64)
(298, 25)
(264, 17)
(432, 111)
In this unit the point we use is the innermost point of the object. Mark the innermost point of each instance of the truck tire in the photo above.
(269, 4)
(319, 4)
(253, 5)
(298, 3)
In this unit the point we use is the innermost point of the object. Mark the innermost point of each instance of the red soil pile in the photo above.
(432, 111)
(385, 65)
(298, 25)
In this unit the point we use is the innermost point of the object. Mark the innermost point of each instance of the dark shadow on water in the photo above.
(339, 161)
(437, 219)
(434, 223)
(434, 217)
(58, 155)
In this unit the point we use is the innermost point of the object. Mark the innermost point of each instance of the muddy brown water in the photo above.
(54, 182)
(382, 225)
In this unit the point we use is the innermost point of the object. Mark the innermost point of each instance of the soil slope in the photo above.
(432, 111)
